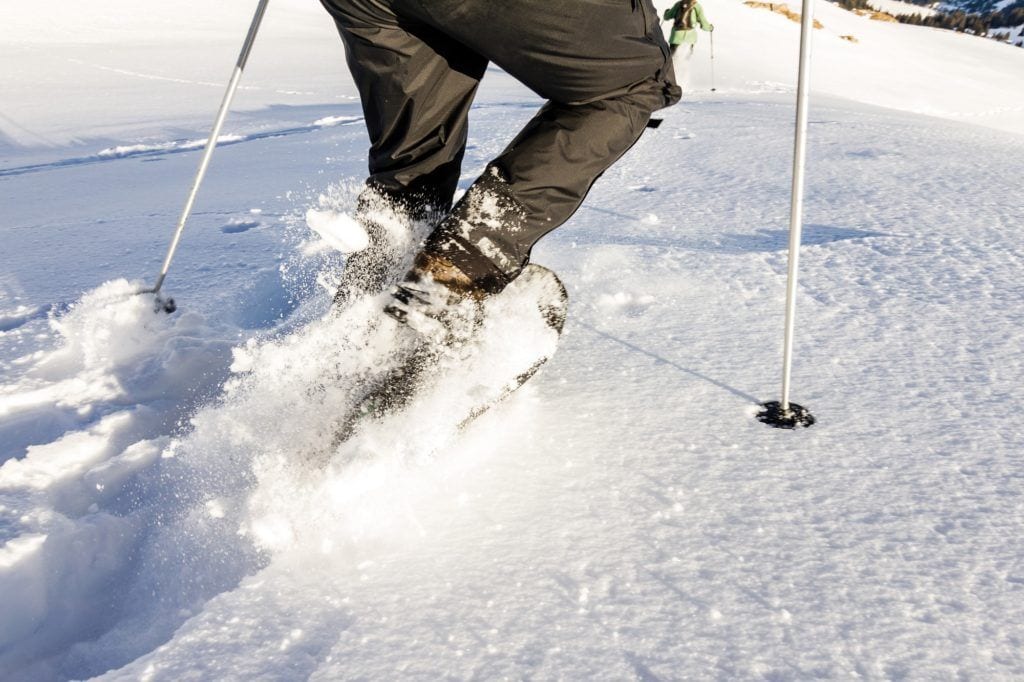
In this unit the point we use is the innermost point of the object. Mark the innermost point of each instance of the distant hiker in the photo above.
(687, 16)
(604, 68)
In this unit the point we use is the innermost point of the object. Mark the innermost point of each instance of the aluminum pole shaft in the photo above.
(797, 201)
(211, 142)
(711, 38)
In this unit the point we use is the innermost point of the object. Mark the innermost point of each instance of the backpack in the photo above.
(684, 18)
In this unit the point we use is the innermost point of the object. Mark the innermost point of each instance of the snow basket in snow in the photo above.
(774, 415)
(166, 305)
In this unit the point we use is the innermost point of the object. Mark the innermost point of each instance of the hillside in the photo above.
(976, 6)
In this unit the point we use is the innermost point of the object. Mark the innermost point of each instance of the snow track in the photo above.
(159, 149)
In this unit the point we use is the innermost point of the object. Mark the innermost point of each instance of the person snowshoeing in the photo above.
(687, 15)
(603, 70)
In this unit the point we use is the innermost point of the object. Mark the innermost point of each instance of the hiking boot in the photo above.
(394, 226)
(438, 300)
(438, 307)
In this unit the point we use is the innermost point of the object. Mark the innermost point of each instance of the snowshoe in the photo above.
(516, 332)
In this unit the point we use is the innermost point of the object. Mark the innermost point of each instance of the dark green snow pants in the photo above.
(603, 66)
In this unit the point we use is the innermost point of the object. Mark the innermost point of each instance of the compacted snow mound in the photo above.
(114, 352)
(77, 428)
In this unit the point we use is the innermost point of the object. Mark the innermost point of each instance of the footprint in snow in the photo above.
(625, 303)
(872, 153)
(238, 225)
(21, 316)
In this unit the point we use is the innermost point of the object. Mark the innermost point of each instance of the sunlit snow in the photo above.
(171, 506)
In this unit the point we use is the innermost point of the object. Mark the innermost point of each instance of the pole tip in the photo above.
(166, 305)
(796, 416)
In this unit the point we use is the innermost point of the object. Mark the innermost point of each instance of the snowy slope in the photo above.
(978, 6)
(162, 510)
(898, 8)
(911, 68)
(143, 75)
(1013, 35)
(141, 72)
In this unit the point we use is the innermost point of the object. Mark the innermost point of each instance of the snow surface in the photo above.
(1014, 35)
(898, 8)
(165, 512)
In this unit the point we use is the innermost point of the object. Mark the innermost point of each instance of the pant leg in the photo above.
(603, 65)
(416, 85)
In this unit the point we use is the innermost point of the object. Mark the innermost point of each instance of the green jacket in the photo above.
(684, 28)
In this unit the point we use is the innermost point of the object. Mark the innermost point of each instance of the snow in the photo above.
(911, 68)
(338, 230)
(898, 8)
(1014, 35)
(169, 510)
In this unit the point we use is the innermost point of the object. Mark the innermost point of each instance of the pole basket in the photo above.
(796, 416)
(166, 305)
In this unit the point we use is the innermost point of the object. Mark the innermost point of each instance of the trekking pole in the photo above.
(211, 143)
(784, 414)
(711, 36)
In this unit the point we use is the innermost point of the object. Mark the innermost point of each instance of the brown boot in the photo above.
(437, 299)
(395, 224)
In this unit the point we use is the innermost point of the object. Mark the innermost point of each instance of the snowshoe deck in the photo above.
(519, 334)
